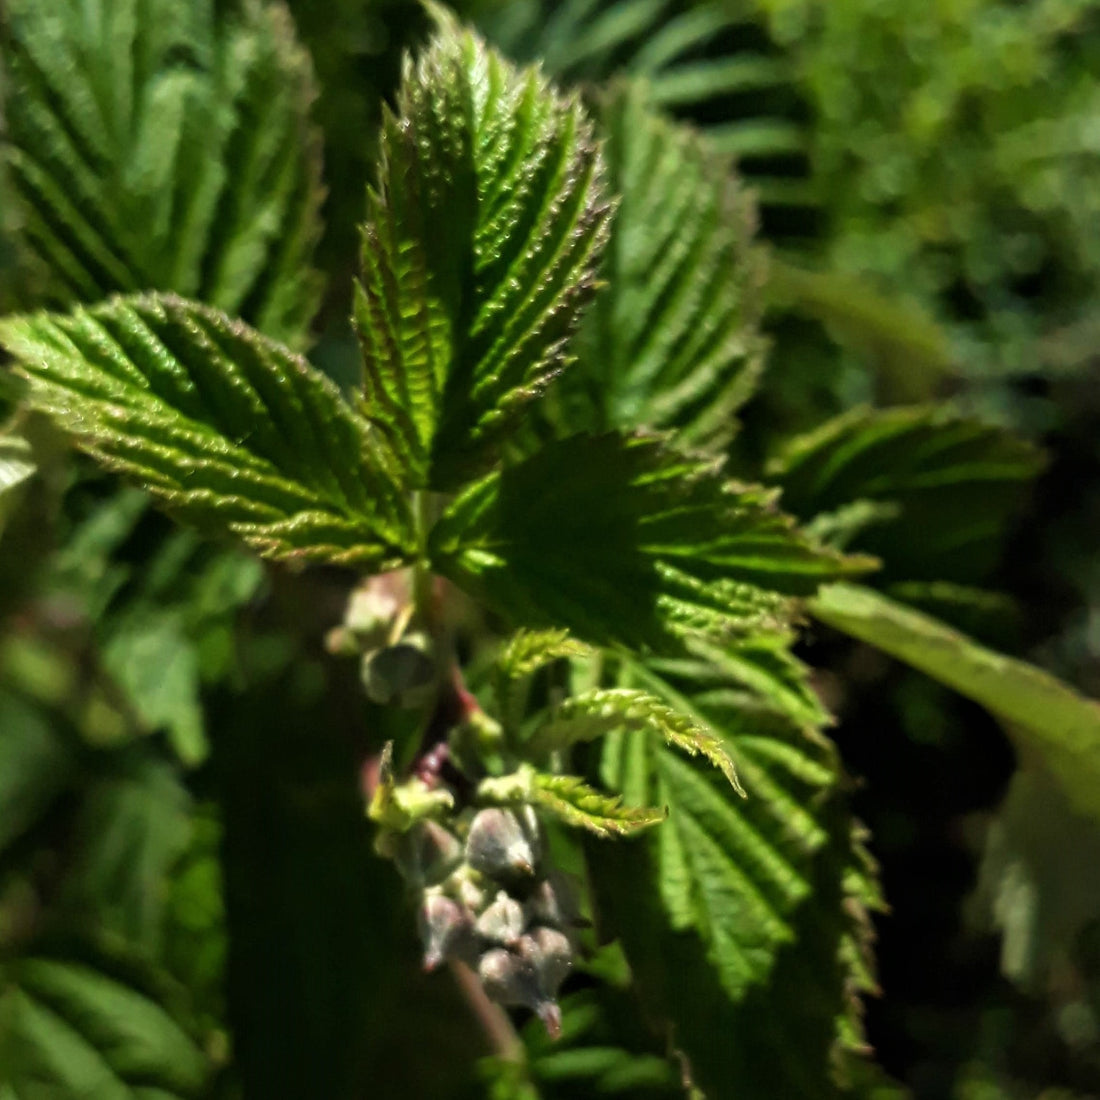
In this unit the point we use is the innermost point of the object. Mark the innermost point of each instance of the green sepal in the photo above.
(399, 806)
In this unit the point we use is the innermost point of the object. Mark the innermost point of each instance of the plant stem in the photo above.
(502, 1036)
(422, 593)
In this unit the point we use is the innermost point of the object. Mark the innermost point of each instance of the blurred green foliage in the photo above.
(943, 238)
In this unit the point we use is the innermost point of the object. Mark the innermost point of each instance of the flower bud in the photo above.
(401, 675)
(551, 954)
(509, 978)
(502, 922)
(426, 854)
(444, 930)
(553, 901)
(500, 846)
(512, 979)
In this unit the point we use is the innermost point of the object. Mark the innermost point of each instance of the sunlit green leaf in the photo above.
(673, 340)
(478, 254)
(575, 803)
(160, 146)
(230, 430)
(742, 915)
(16, 462)
(592, 714)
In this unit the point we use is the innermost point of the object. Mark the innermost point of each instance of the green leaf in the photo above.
(625, 541)
(160, 146)
(1037, 883)
(155, 663)
(16, 461)
(529, 650)
(575, 803)
(710, 61)
(69, 1030)
(604, 1049)
(673, 342)
(37, 763)
(229, 429)
(523, 655)
(955, 483)
(910, 350)
(478, 254)
(743, 917)
(568, 798)
(1044, 716)
(132, 826)
(592, 714)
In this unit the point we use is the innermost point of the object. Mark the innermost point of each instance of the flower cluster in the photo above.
(484, 898)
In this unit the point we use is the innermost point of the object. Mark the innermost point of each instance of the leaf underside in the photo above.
(479, 251)
(164, 146)
(230, 430)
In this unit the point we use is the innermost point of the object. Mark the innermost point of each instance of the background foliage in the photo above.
(179, 749)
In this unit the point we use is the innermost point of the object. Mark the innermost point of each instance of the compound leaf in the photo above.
(159, 146)
(479, 251)
(229, 429)
(625, 541)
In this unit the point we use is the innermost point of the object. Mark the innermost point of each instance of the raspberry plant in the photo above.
(596, 762)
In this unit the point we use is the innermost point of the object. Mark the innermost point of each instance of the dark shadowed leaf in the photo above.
(624, 540)
(951, 482)
(1042, 714)
(69, 1030)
